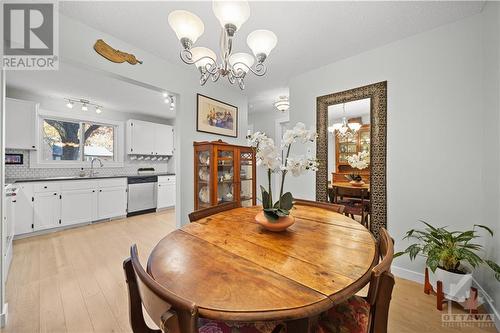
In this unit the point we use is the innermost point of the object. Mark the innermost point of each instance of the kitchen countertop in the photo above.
(46, 179)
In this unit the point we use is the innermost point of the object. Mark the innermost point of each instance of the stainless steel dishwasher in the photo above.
(141, 194)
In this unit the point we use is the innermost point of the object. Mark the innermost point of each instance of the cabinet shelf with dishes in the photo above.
(223, 173)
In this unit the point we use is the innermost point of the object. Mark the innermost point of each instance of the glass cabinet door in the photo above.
(225, 175)
(203, 179)
(247, 195)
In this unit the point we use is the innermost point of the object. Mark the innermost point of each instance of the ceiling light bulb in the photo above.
(165, 95)
(69, 104)
(261, 42)
(186, 26)
(239, 60)
(98, 109)
(84, 107)
(172, 107)
(166, 100)
(231, 14)
(203, 56)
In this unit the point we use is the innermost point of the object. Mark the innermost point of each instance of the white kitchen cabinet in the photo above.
(20, 118)
(47, 208)
(145, 138)
(164, 140)
(166, 192)
(76, 206)
(140, 137)
(112, 202)
(23, 209)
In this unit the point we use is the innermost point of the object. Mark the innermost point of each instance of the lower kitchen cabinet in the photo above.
(47, 205)
(112, 202)
(46, 210)
(166, 192)
(76, 206)
(23, 209)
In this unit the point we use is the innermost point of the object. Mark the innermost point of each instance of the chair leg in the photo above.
(135, 304)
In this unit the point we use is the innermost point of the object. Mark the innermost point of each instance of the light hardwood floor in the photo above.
(72, 281)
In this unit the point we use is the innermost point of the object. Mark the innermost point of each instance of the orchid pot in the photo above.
(275, 215)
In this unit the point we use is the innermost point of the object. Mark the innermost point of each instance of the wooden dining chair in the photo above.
(326, 205)
(355, 200)
(202, 213)
(170, 312)
(366, 314)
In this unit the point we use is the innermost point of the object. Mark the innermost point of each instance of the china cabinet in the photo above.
(345, 147)
(223, 173)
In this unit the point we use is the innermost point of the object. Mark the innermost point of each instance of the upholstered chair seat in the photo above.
(350, 316)
(211, 326)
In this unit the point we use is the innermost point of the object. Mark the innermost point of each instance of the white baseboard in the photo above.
(3, 315)
(408, 274)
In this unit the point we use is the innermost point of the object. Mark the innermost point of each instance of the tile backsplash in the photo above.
(24, 171)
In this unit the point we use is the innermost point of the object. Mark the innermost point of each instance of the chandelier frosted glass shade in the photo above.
(262, 42)
(241, 61)
(186, 25)
(203, 56)
(231, 13)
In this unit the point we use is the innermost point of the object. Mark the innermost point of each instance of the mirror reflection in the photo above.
(349, 157)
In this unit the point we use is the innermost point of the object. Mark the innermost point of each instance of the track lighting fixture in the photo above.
(84, 104)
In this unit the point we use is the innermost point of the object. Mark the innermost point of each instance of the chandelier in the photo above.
(231, 14)
(344, 130)
(282, 104)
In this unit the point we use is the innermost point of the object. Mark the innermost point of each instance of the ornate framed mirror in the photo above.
(352, 148)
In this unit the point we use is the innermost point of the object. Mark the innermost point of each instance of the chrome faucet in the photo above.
(92, 172)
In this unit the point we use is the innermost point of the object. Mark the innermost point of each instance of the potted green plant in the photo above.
(451, 257)
(275, 216)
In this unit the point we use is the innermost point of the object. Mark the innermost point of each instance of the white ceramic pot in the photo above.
(455, 286)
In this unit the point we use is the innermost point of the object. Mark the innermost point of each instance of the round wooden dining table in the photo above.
(234, 270)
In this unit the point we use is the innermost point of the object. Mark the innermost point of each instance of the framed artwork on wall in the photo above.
(216, 117)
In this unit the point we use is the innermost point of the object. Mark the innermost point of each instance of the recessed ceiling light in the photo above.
(98, 109)
(69, 104)
(165, 95)
(84, 107)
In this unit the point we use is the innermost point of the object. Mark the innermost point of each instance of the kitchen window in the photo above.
(75, 142)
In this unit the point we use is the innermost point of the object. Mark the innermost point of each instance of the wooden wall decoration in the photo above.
(114, 55)
(377, 92)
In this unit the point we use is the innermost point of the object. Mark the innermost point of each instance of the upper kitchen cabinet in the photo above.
(20, 124)
(145, 138)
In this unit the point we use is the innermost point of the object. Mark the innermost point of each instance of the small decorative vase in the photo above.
(281, 224)
(357, 183)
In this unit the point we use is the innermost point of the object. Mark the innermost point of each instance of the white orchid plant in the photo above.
(279, 161)
(359, 161)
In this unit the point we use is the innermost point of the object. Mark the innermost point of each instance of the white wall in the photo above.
(76, 42)
(437, 126)
(491, 141)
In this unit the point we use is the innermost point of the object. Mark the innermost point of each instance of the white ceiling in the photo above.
(354, 109)
(310, 34)
(74, 82)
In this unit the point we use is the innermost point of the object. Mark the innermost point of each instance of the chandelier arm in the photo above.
(241, 83)
(260, 69)
(215, 76)
(204, 77)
